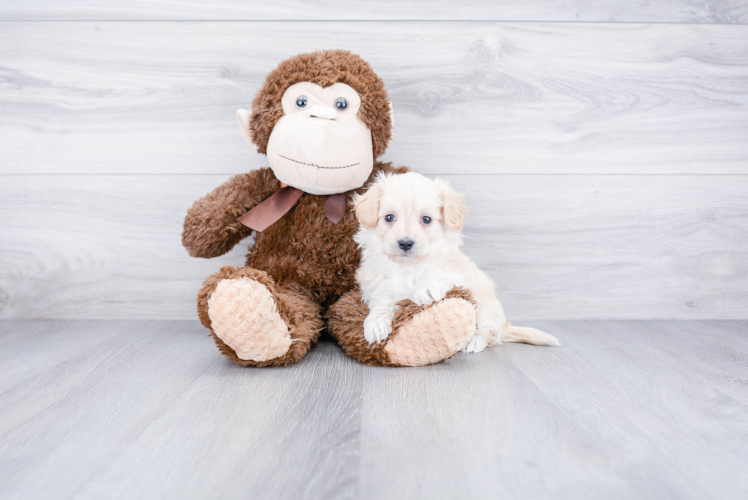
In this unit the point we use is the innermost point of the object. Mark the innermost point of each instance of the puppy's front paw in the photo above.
(431, 292)
(476, 344)
(377, 327)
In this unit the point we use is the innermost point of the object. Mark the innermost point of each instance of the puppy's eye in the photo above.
(426, 219)
(301, 102)
(389, 218)
(341, 104)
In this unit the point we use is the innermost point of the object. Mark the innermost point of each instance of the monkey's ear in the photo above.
(453, 208)
(392, 123)
(242, 116)
(367, 206)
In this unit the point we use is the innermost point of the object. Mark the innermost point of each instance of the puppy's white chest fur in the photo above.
(409, 281)
(382, 279)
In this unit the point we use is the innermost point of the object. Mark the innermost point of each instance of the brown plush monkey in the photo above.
(322, 119)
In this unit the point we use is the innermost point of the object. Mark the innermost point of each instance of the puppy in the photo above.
(410, 249)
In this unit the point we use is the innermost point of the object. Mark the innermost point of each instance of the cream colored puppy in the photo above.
(410, 249)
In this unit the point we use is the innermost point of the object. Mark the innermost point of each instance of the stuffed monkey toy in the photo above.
(322, 119)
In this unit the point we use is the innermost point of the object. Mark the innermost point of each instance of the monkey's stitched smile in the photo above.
(318, 166)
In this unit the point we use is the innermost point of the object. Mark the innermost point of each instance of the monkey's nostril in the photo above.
(405, 244)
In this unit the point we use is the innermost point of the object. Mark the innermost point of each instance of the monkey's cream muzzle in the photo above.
(318, 145)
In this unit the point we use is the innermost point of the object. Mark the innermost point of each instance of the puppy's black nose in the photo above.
(405, 244)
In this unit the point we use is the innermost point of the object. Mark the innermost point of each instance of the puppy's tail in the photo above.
(527, 335)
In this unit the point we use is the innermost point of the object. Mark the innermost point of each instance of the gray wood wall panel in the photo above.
(669, 11)
(628, 247)
(469, 97)
(606, 162)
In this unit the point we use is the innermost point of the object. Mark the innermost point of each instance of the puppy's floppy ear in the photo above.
(453, 207)
(367, 206)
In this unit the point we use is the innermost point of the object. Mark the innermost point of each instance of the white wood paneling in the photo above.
(101, 246)
(606, 162)
(625, 247)
(469, 97)
(563, 247)
(668, 11)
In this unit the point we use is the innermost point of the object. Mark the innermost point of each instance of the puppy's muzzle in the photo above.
(405, 244)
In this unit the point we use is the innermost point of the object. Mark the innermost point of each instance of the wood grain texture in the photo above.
(665, 11)
(153, 407)
(160, 97)
(569, 247)
(621, 410)
(637, 374)
(612, 247)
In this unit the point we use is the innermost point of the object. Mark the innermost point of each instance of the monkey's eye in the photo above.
(301, 102)
(426, 219)
(341, 104)
(389, 218)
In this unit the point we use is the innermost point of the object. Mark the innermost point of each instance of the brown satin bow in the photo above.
(269, 211)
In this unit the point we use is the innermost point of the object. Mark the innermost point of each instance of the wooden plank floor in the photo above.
(149, 409)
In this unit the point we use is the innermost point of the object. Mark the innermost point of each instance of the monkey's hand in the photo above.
(211, 227)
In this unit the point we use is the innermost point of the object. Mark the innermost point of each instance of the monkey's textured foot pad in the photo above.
(421, 335)
(433, 334)
(244, 315)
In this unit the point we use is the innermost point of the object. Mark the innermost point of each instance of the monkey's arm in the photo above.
(211, 227)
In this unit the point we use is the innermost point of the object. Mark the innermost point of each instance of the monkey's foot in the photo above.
(433, 334)
(256, 322)
(421, 335)
(244, 315)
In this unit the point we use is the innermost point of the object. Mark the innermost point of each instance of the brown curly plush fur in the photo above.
(303, 247)
(295, 306)
(346, 323)
(306, 261)
(211, 227)
(323, 68)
